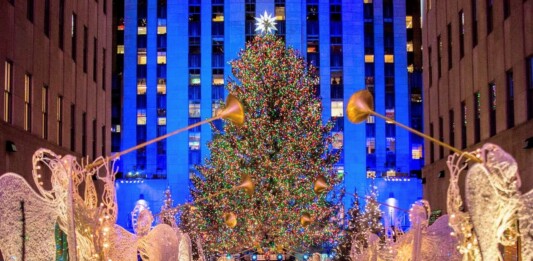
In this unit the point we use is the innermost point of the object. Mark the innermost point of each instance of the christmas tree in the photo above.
(372, 215)
(283, 146)
(354, 238)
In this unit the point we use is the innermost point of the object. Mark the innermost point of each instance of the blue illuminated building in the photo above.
(175, 56)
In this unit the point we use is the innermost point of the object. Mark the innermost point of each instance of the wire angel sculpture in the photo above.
(494, 205)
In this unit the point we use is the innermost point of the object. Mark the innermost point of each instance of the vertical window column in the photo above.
(44, 111)
(492, 108)
(27, 101)
(59, 119)
(510, 99)
(8, 91)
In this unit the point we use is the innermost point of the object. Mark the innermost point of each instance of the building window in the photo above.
(477, 117)
(451, 127)
(441, 137)
(44, 111)
(27, 101)
(85, 46)
(439, 56)
(337, 109)
(103, 143)
(72, 127)
(370, 145)
(431, 145)
(506, 8)
(194, 109)
(409, 22)
(430, 69)
(529, 72)
(73, 36)
(463, 125)
(450, 54)
(141, 86)
(194, 77)
(61, 23)
(389, 58)
(474, 23)
(104, 66)
(218, 79)
(194, 140)
(84, 134)
(29, 10)
(161, 57)
(416, 151)
(161, 86)
(510, 99)
(94, 139)
(461, 34)
(59, 119)
(46, 25)
(490, 12)
(141, 116)
(492, 108)
(8, 91)
(95, 59)
(280, 13)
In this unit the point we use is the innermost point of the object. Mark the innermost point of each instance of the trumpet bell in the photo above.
(230, 219)
(359, 106)
(305, 219)
(233, 111)
(320, 185)
(247, 184)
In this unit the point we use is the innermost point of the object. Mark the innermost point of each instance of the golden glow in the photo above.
(409, 22)
(141, 30)
(141, 117)
(369, 58)
(389, 58)
(218, 18)
(141, 86)
(120, 49)
(161, 30)
(367, 1)
(161, 86)
(218, 79)
(312, 49)
(416, 152)
(161, 58)
(141, 58)
(410, 68)
(280, 13)
(410, 46)
(162, 121)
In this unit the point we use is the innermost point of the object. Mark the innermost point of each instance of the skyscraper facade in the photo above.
(478, 83)
(55, 57)
(176, 57)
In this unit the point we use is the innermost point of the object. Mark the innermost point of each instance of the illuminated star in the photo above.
(265, 23)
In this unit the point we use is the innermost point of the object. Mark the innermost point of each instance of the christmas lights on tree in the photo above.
(283, 146)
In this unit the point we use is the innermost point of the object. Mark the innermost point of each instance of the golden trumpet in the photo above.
(320, 185)
(305, 219)
(247, 184)
(233, 111)
(230, 219)
(361, 104)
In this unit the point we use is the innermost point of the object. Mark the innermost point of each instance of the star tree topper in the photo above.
(265, 23)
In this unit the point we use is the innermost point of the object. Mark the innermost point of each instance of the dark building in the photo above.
(478, 85)
(55, 56)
